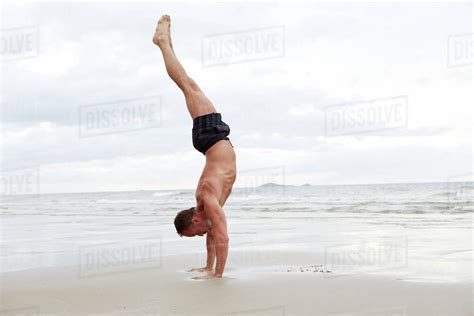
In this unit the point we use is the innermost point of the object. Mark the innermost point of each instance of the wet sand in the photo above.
(294, 287)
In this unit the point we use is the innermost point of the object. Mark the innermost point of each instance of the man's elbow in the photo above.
(222, 240)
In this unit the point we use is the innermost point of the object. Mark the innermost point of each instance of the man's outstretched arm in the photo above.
(211, 254)
(219, 241)
(211, 251)
(219, 233)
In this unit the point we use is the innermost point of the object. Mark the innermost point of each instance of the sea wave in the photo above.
(447, 194)
(357, 209)
(108, 201)
(160, 194)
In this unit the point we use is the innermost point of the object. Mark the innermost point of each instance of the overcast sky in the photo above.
(280, 94)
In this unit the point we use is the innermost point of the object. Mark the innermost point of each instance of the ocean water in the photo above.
(419, 232)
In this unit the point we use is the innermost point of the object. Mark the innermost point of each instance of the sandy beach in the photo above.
(360, 250)
(286, 289)
(348, 188)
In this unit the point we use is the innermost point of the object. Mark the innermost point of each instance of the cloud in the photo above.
(333, 53)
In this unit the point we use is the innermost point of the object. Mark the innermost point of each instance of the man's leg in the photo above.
(196, 101)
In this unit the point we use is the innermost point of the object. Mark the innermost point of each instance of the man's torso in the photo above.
(219, 173)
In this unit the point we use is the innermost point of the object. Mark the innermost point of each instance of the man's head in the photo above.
(190, 223)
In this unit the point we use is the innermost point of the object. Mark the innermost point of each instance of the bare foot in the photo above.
(162, 34)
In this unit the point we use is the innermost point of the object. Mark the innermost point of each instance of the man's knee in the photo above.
(191, 85)
(186, 84)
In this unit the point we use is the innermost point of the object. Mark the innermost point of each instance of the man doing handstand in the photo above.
(210, 138)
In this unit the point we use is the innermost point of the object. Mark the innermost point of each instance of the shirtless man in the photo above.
(210, 138)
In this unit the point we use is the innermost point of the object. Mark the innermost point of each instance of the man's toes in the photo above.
(164, 18)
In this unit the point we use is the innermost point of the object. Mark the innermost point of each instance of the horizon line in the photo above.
(287, 185)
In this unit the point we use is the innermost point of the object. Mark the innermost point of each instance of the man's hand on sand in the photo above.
(207, 277)
(205, 269)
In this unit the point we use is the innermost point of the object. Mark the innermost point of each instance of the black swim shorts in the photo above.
(207, 130)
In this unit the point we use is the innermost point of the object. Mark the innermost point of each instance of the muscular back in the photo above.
(219, 173)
